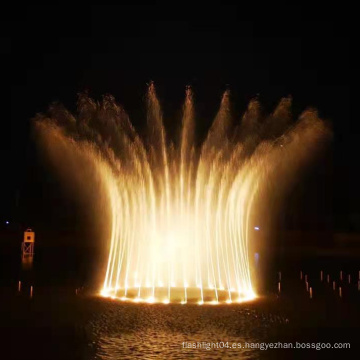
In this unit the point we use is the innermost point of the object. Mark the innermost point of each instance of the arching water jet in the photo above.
(181, 215)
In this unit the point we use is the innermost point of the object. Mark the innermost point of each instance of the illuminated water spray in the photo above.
(181, 214)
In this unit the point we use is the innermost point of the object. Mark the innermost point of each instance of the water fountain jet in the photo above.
(180, 216)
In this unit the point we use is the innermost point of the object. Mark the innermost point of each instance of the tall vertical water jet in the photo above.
(180, 215)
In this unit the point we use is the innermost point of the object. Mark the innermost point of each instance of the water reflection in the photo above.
(126, 331)
(27, 262)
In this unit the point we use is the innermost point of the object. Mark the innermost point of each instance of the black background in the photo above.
(52, 52)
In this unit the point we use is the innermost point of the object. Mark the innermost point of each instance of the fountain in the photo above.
(182, 214)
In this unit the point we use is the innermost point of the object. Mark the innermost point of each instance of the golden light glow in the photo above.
(181, 214)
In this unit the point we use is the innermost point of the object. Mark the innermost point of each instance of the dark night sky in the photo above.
(51, 53)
